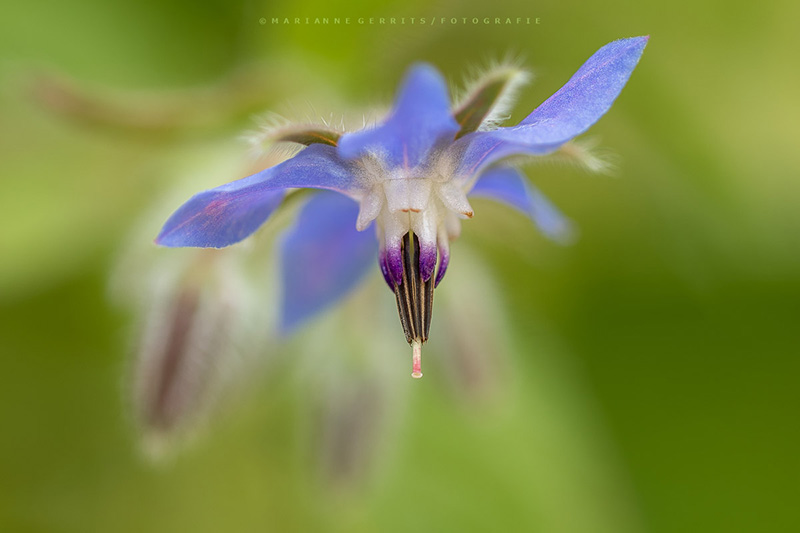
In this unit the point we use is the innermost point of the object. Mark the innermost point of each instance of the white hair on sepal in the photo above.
(271, 127)
(501, 111)
(265, 139)
(371, 118)
(586, 154)
(259, 140)
(583, 153)
(277, 153)
(510, 66)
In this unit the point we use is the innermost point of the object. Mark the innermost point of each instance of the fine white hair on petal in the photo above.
(501, 108)
(371, 168)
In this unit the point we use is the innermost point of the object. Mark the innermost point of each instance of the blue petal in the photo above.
(509, 186)
(323, 257)
(227, 214)
(569, 112)
(421, 118)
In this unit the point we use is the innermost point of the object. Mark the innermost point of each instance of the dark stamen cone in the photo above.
(414, 299)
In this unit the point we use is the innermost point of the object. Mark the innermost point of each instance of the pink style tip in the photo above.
(416, 359)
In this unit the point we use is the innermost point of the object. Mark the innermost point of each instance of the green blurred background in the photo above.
(654, 362)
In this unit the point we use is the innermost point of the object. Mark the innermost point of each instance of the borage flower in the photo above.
(410, 178)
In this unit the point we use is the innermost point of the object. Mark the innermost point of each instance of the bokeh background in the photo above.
(650, 370)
